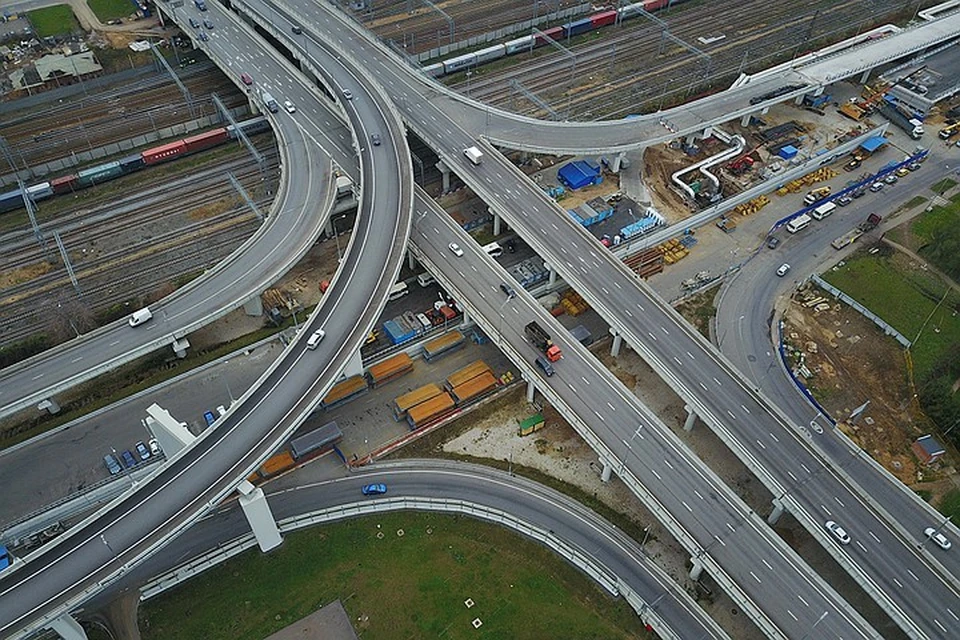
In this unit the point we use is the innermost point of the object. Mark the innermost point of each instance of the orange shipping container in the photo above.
(474, 387)
(408, 400)
(468, 372)
(344, 390)
(390, 368)
(277, 464)
(433, 408)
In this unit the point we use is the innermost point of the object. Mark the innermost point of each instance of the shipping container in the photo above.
(344, 391)
(11, 200)
(468, 372)
(603, 18)
(398, 333)
(474, 388)
(435, 408)
(460, 62)
(525, 43)
(577, 27)
(40, 191)
(389, 369)
(277, 464)
(442, 345)
(98, 174)
(531, 424)
(554, 33)
(64, 184)
(316, 442)
(205, 140)
(164, 153)
(132, 163)
(407, 401)
(490, 53)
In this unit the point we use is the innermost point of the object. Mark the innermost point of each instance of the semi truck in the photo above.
(541, 340)
(473, 154)
(912, 126)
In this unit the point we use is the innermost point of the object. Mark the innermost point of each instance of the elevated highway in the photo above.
(95, 553)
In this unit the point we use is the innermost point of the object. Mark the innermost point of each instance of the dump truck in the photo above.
(541, 340)
(949, 131)
(870, 223)
(852, 110)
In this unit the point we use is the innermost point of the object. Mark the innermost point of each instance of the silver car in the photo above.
(842, 536)
(938, 538)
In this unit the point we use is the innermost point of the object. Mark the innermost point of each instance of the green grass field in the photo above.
(110, 9)
(904, 297)
(52, 21)
(409, 586)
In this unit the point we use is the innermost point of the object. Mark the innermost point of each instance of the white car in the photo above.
(348, 94)
(154, 447)
(457, 251)
(938, 538)
(314, 340)
(289, 106)
(842, 536)
(784, 268)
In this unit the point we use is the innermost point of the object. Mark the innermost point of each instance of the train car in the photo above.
(526, 43)
(554, 33)
(98, 174)
(249, 127)
(434, 70)
(164, 153)
(490, 53)
(460, 62)
(132, 163)
(64, 184)
(603, 19)
(656, 5)
(40, 191)
(205, 140)
(11, 200)
(576, 28)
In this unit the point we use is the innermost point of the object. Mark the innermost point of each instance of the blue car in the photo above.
(209, 418)
(128, 460)
(112, 465)
(374, 489)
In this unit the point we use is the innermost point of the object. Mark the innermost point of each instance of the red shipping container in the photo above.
(205, 140)
(555, 33)
(603, 19)
(166, 152)
(63, 184)
(653, 5)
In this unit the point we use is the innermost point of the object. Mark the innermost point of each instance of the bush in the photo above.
(950, 505)
(22, 350)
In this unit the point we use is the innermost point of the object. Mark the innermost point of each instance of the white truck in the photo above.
(473, 154)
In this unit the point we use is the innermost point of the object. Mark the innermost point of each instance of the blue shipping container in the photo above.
(578, 27)
(397, 333)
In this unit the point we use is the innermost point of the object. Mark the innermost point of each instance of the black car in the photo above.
(375, 138)
(194, 23)
(511, 246)
(772, 242)
(507, 289)
(297, 30)
(208, 24)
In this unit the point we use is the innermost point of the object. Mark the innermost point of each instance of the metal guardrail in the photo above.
(862, 310)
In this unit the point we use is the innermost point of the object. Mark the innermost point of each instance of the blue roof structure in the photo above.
(872, 144)
(579, 174)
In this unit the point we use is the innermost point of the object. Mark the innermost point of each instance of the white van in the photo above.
(397, 291)
(425, 279)
(314, 340)
(140, 316)
(798, 223)
(823, 210)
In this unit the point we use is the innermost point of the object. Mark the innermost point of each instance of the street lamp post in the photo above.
(336, 238)
(500, 321)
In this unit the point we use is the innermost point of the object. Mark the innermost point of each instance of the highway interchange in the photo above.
(637, 329)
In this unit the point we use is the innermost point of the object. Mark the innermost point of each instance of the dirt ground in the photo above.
(659, 163)
(851, 361)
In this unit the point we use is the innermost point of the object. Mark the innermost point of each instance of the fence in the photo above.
(840, 295)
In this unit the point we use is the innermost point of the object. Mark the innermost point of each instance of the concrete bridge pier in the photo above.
(445, 174)
(354, 366)
(68, 628)
(258, 514)
(496, 224)
(253, 306)
(690, 139)
(697, 569)
(180, 345)
(778, 509)
(552, 278)
(616, 161)
(691, 418)
(50, 406)
(411, 260)
(466, 317)
(865, 76)
(745, 120)
(607, 472)
(531, 391)
(171, 434)
(617, 342)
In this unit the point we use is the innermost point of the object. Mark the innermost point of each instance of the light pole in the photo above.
(500, 321)
(819, 620)
(336, 238)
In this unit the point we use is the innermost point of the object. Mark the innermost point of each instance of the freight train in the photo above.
(528, 43)
(13, 200)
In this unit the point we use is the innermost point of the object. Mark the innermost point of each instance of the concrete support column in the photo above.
(445, 173)
(607, 472)
(171, 434)
(411, 260)
(354, 366)
(865, 76)
(691, 418)
(496, 224)
(531, 390)
(328, 228)
(778, 509)
(745, 120)
(253, 103)
(257, 511)
(50, 406)
(617, 342)
(180, 345)
(798, 100)
(466, 317)
(696, 570)
(253, 307)
(615, 163)
(68, 628)
(552, 278)
(690, 139)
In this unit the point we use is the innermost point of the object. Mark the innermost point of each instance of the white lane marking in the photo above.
(686, 506)
(612, 408)
(627, 311)
(667, 462)
(572, 388)
(718, 382)
(600, 416)
(805, 603)
(37, 377)
(775, 438)
(691, 355)
(755, 577)
(792, 477)
(825, 510)
(766, 564)
(793, 616)
(698, 494)
(677, 360)
(952, 614)
(860, 544)
(720, 540)
(762, 446)
(913, 575)
(604, 289)
(744, 408)
(77, 359)
(937, 622)
(626, 444)
(652, 337)
(874, 536)
(702, 386)
(114, 343)
(665, 332)
(899, 584)
(639, 307)
(584, 379)
(730, 526)
(730, 413)
(838, 500)
(805, 468)
(654, 472)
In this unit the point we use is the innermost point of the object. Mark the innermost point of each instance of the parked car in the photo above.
(843, 201)
(902, 171)
(891, 178)
(507, 289)
(511, 246)
(938, 538)
(913, 166)
(457, 251)
(246, 79)
(203, 36)
(876, 186)
(289, 106)
(209, 417)
(112, 465)
(784, 268)
(155, 449)
(374, 489)
(296, 29)
(142, 451)
(842, 536)
(128, 460)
